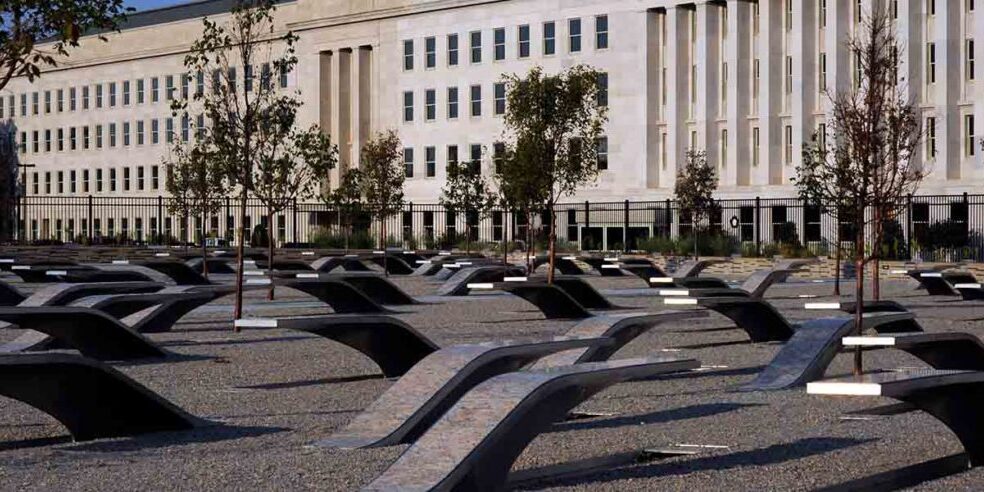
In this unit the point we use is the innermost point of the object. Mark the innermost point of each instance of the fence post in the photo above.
(908, 226)
(91, 232)
(160, 219)
(758, 224)
(625, 234)
(295, 222)
(229, 221)
(669, 219)
(587, 222)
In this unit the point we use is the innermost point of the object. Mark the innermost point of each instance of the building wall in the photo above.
(742, 80)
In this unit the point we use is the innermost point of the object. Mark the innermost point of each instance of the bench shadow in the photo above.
(737, 371)
(659, 417)
(313, 382)
(771, 455)
(905, 477)
(204, 434)
(193, 343)
(34, 442)
(729, 343)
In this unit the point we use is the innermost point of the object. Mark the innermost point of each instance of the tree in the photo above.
(238, 111)
(289, 163)
(868, 161)
(197, 187)
(35, 33)
(695, 186)
(517, 190)
(346, 200)
(382, 177)
(554, 123)
(466, 190)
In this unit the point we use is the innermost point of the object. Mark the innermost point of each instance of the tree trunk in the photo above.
(696, 250)
(204, 252)
(859, 298)
(552, 255)
(876, 264)
(837, 264)
(270, 293)
(530, 246)
(382, 234)
(240, 252)
(467, 237)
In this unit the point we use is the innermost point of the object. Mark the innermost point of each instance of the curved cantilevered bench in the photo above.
(948, 350)
(952, 397)
(157, 312)
(215, 265)
(10, 295)
(971, 291)
(392, 344)
(758, 318)
(93, 333)
(341, 296)
(179, 272)
(94, 276)
(754, 286)
(350, 263)
(807, 354)
(414, 402)
(880, 306)
(457, 284)
(567, 298)
(373, 285)
(91, 399)
(606, 267)
(64, 294)
(38, 274)
(566, 265)
(473, 446)
(943, 283)
(393, 264)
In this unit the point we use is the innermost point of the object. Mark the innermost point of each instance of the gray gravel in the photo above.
(275, 391)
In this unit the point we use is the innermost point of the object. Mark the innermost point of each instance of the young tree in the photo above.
(237, 110)
(197, 188)
(346, 200)
(696, 183)
(516, 190)
(289, 163)
(35, 34)
(876, 131)
(554, 123)
(467, 191)
(382, 177)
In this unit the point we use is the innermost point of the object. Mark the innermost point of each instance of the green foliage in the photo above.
(260, 237)
(57, 23)
(946, 234)
(695, 185)
(466, 190)
(711, 243)
(382, 176)
(196, 185)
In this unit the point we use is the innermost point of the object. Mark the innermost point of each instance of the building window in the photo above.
(430, 158)
(602, 97)
(452, 155)
(969, 129)
(452, 103)
(408, 54)
(140, 91)
(140, 132)
(430, 52)
(476, 47)
(756, 66)
(574, 35)
(724, 147)
(430, 105)
(169, 87)
(112, 179)
(283, 79)
(476, 100)
(169, 130)
(155, 87)
(931, 63)
(47, 102)
(755, 146)
(499, 44)
(85, 138)
(126, 92)
(549, 38)
(60, 101)
(823, 14)
(524, 41)
(47, 183)
(499, 90)
(35, 180)
(789, 75)
(452, 50)
(185, 127)
(931, 7)
(408, 106)
(475, 163)
(601, 146)
(140, 178)
(930, 138)
(72, 138)
(971, 69)
(408, 162)
(155, 130)
(61, 139)
(99, 180)
(601, 32)
(789, 15)
(126, 179)
(71, 181)
(47, 140)
(112, 94)
(822, 78)
(61, 182)
(789, 145)
(155, 177)
(85, 181)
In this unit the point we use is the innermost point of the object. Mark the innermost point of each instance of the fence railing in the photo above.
(941, 227)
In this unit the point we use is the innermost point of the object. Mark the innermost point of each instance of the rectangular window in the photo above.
(283, 79)
(408, 54)
(524, 41)
(408, 162)
(430, 104)
(930, 138)
(112, 94)
(602, 152)
(724, 148)
(112, 179)
(601, 32)
(823, 14)
(971, 69)
(61, 139)
(499, 44)
(476, 47)
(47, 102)
(755, 146)
(789, 15)
(126, 133)
(140, 178)
(408, 106)
(475, 163)
(789, 145)
(931, 7)
(60, 101)
(200, 80)
(185, 128)
(36, 180)
(169, 130)
(35, 139)
(430, 52)
(155, 177)
(756, 66)
(23, 104)
(574, 35)
(47, 140)
(140, 91)
(140, 132)
(99, 180)
(85, 181)
(789, 75)
(155, 130)
(266, 76)
(430, 159)
(169, 87)
(155, 89)
(549, 38)
(476, 100)
(126, 179)
(186, 84)
(71, 181)
(452, 50)
(602, 98)
(822, 72)
(499, 91)
(931, 63)
(61, 182)
(969, 129)
(200, 127)
(126, 92)
(112, 134)
(72, 98)
(85, 137)
(73, 141)
(47, 183)
(247, 79)
(452, 103)
(452, 155)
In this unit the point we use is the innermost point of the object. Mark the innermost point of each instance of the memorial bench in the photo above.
(948, 350)
(754, 286)
(457, 285)
(567, 298)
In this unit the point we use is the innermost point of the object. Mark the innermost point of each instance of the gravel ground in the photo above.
(275, 391)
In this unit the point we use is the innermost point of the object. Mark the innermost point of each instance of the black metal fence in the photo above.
(931, 227)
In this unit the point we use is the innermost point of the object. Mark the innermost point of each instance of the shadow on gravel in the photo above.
(195, 343)
(314, 382)
(730, 343)
(34, 442)
(771, 455)
(705, 330)
(905, 477)
(206, 434)
(172, 357)
(660, 417)
(737, 371)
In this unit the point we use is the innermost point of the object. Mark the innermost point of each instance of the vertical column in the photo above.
(342, 116)
(678, 100)
(361, 71)
(909, 28)
(802, 46)
(738, 55)
(653, 95)
(770, 92)
(838, 58)
(949, 124)
(325, 96)
(977, 21)
(708, 62)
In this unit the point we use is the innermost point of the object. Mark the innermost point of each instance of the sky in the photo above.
(151, 4)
